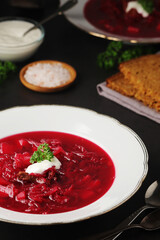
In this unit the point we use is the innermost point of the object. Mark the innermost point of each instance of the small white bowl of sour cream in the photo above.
(13, 45)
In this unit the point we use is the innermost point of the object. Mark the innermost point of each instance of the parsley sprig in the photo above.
(5, 69)
(43, 153)
(117, 52)
(147, 5)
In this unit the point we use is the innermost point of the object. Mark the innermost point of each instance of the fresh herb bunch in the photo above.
(43, 153)
(5, 69)
(147, 5)
(118, 52)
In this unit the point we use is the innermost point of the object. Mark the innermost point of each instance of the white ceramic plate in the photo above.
(126, 149)
(76, 17)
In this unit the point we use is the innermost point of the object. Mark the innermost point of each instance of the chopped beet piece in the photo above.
(21, 160)
(133, 30)
(21, 196)
(6, 148)
(8, 191)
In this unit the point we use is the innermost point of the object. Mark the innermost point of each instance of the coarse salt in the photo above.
(47, 75)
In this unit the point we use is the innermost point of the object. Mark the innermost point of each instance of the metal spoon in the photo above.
(152, 200)
(149, 222)
(59, 11)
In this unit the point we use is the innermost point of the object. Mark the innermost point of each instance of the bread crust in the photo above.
(139, 78)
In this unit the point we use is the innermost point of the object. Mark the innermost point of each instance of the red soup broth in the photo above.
(110, 16)
(86, 173)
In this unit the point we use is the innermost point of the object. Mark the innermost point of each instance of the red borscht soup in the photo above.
(111, 16)
(86, 173)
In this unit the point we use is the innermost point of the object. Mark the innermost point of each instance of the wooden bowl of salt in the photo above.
(47, 76)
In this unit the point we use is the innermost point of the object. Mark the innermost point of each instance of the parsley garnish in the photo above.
(43, 153)
(5, 69)
(118, 52)
(147, 5)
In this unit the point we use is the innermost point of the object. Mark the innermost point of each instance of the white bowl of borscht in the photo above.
(61, 164)
(122, 20)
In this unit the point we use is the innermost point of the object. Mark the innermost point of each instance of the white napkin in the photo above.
(128, 102)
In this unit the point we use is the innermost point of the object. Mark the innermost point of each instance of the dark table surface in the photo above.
(66, 43)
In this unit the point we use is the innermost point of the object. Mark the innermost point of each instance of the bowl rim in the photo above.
(10, 18)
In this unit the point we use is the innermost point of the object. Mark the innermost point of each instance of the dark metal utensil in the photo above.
(152, 200)
(149, 222)
(59, 11)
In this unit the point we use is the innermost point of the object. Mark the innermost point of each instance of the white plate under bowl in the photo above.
(125, 147)
(75, 15)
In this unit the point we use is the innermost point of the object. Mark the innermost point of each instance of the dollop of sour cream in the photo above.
(40, 167)
(11, 33)
(138, 7)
